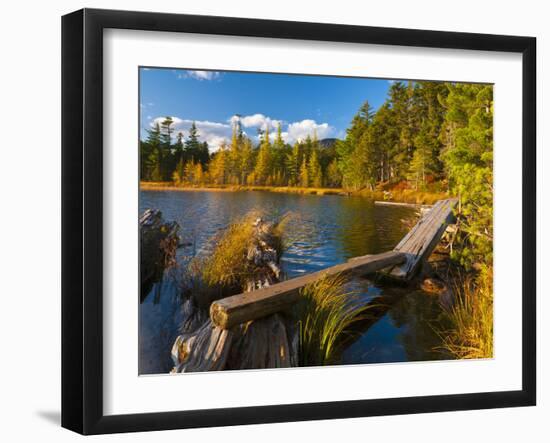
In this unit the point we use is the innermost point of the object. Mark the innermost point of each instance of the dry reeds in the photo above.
(471, 318)
(228, 264)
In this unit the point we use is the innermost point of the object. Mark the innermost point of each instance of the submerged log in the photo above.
(158, 244)
(257, 344)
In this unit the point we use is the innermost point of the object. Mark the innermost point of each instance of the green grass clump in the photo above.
(471, 318)
(326, 311)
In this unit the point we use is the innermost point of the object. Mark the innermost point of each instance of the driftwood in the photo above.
(421, 240)
(240, 308)
(204, 346)
(158, 243)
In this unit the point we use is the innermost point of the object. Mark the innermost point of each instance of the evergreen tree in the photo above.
(218, 167)
(304, 174)
(234, 160)
(333, 175)
(468, 158)
(178, 147)
(279, 154)
(352, 173)
(192, 144)
(262, 171)
(293, 163)
(155, 159)
(167, 164)
(246, 160)
(315, 175)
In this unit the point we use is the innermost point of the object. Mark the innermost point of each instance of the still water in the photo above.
(326, 230)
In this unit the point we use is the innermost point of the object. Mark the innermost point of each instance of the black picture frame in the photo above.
(82, 218)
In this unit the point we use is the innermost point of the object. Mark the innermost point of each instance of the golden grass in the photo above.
(326, 312)
(228, 266)
(404, 196)
(398, 196)
(471, 318)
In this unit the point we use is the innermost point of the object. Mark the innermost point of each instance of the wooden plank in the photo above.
(424, 220)
(419, 243)
(247, 306)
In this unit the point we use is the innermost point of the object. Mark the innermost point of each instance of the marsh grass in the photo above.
(471, 333)
(396, 195)
(326, 312)
(227, 270)
(227, 265)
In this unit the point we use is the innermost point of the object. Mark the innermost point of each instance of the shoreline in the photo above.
(400, 198)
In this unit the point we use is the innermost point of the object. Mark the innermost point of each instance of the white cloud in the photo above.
(200, 75)
(257, 121)
(215, 133)
(299, 131)
(211, 132)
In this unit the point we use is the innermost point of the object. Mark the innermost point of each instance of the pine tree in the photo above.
(353, 176)
(167, 164)
(293, 163)
(179, 173)
(304, 174)
(192, 144)
(218, 167)
(333, 175)
(178, 147)
(363, 171)
(262, 171)
(234, 160)
(155, 159)
(246, 160)
(315, 175)
(468, 158)
(278, 150)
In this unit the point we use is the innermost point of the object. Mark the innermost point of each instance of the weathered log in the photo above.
(205, 350)
(421, 240)
(247, 306)
(158, 243)
(261, 344)
(252, 345)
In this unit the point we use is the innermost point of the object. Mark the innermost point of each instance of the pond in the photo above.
(327, 230)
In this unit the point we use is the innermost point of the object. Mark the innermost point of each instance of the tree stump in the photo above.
(158, 244)
(258, 344)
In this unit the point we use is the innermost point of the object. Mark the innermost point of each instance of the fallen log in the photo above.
(231, 311)
(421, 240)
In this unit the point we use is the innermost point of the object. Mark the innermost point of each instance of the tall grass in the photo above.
(227, 265)
(326, 311)
(227, 270)
(471, 318)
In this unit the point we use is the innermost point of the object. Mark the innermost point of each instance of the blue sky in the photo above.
(302, 104)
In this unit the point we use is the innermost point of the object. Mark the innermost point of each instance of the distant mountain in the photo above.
(327, 142)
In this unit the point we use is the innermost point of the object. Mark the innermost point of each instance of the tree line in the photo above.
(425, 135)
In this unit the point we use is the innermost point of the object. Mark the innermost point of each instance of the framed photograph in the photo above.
(269, 221)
